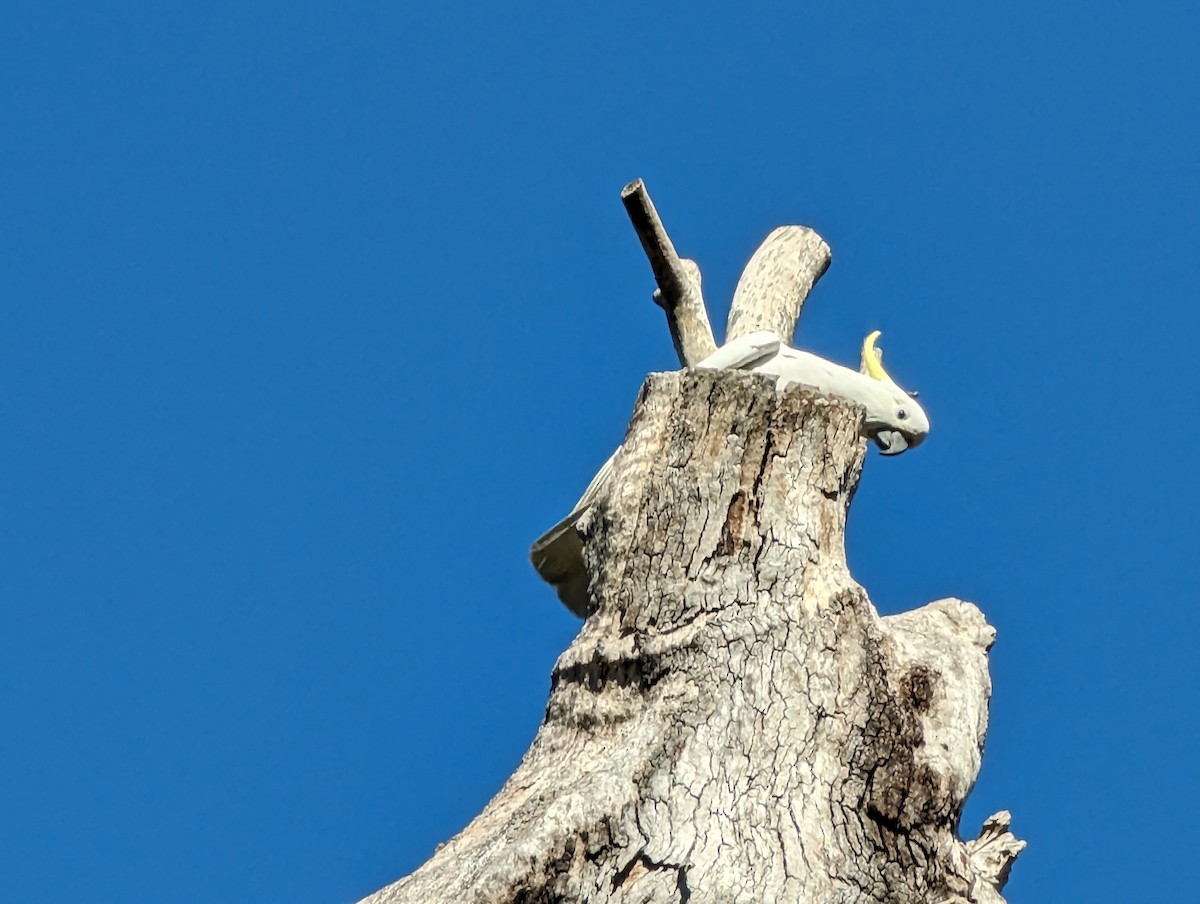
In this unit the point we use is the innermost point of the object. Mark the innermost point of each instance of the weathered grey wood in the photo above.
(771, 291)
(678, 279)
(735, 722)
(992, 856)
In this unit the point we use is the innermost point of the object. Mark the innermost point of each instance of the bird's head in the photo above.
(895, 422)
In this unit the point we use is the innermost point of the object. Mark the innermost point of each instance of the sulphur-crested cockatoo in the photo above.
(894, 422)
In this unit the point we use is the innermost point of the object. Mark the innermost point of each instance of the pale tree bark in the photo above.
(735, 722)
(771, 291)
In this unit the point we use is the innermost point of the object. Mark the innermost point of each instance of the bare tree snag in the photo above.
(735, 722)
(678, 279)
(771, 291)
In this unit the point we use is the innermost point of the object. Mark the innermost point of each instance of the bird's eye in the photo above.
(901, 413)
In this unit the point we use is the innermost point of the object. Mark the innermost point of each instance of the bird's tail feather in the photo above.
(558, 553)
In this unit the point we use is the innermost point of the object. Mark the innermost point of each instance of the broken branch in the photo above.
(678, 279)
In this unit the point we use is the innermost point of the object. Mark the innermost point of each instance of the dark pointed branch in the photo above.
(678, 279)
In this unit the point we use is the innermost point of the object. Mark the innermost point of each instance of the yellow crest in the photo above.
(872, 359)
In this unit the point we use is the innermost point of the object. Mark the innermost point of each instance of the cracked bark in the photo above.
(735, 722)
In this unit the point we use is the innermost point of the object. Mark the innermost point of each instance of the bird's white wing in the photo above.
(744, 352)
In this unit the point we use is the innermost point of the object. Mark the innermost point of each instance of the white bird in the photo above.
(894, 422)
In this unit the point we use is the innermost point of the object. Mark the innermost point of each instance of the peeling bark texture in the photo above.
(678, 279)
(771, 291)
(735, 722)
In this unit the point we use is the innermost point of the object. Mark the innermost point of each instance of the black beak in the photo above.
(890, 442)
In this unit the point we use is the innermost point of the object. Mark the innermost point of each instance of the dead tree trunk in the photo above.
(734, 721)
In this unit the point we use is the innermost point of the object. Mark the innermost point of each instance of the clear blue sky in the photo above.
(314, 316)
